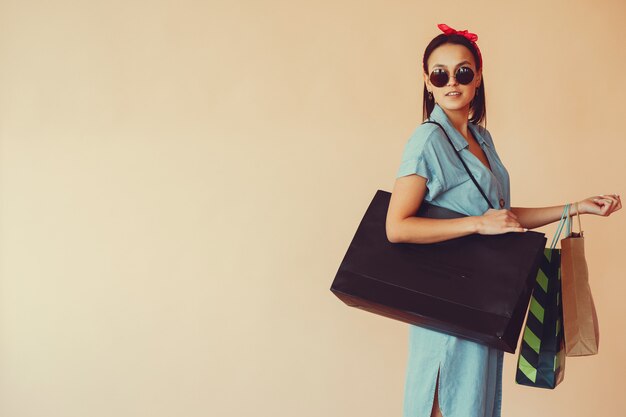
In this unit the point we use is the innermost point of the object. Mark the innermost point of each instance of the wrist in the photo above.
(474, 223)
(575, 208)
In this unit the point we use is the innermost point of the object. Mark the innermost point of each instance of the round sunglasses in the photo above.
(440, 77)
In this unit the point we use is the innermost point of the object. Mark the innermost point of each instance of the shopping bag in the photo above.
(475, 286)
(541, 358)
(582, 333)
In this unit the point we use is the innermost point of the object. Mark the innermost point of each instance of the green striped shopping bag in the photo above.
(541, 358)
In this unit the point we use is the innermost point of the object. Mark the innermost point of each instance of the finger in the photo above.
(616, 206)
(610, 197)
(515, 225)
(601, 201)
(510, 222)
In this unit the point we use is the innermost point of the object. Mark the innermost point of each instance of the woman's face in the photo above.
(450, 57)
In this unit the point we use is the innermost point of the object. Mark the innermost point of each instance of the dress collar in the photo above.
(438, 115)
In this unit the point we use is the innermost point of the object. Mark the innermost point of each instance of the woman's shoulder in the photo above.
(424, 131)
(420, 155)
(426, 136)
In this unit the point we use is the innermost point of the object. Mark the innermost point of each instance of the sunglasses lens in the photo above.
(464, 75)
(439, 78)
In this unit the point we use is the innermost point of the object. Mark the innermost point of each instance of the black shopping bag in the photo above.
(475, 286)
(541, 358)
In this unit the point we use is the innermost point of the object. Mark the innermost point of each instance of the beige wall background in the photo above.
(180, 181)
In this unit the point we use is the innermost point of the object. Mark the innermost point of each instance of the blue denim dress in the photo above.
(470, 381)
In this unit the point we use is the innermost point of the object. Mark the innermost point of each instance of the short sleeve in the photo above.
(417, 158)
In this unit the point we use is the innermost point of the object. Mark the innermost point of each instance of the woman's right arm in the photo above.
(402, 225)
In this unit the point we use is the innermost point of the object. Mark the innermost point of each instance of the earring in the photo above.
(430, 95)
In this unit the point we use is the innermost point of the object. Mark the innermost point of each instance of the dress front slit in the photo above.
(437, 395)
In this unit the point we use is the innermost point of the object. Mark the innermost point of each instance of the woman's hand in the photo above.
(602, 205)
(495, 222)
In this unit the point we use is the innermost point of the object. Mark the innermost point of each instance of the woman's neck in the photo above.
(459, 118)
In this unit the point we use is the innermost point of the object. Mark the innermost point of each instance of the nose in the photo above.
(450, 78)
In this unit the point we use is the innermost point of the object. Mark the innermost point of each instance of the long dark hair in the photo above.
(478, 108)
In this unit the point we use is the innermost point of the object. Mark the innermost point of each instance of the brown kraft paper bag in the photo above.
(580, 321)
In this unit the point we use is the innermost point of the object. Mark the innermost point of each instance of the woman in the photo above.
(449, 376)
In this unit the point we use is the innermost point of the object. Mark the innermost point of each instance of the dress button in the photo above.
(501, 202)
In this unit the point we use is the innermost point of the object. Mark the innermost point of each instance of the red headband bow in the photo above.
(471, 36)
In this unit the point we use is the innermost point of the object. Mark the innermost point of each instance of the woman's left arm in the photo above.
(532, 217)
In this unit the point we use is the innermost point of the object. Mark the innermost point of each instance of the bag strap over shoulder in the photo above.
(463, 162)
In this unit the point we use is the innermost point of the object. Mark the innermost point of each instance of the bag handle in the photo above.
(463, 162)
(559, 228)
(569, 221)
